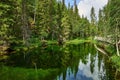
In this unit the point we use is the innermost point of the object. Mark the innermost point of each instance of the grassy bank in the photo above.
(79, 41)
(15, 73)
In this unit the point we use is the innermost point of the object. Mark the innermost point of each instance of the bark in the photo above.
(116, 37)
(25, 28)
(35, 10)
(117, 48)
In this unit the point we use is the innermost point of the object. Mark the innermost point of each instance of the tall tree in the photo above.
(75, 7)
(93, 16)
(7, 20)
(25, 27)
(100, 23)
(52, 19)
(42, 19)
(65, 26)
(63, 4)
(93, 22)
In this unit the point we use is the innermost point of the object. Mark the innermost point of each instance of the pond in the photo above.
(67, 62)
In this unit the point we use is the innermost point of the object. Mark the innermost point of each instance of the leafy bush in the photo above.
(116, 60)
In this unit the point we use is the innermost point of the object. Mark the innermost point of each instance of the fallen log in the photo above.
(108, 41)
(101, 50)
(104, 39)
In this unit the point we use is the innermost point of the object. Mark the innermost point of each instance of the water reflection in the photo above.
(84, 70)
(67, 62)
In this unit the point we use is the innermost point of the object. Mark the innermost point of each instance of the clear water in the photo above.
(68, 62)
(86, 71)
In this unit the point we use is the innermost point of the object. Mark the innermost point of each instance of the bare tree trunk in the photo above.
(25, 28)
(116, 30)
(35, 9)
(117, 48)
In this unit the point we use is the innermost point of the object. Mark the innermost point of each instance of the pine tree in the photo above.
(7, 20)
(100, 22)
(65, 26)
(93, 22)
(42, 19)
(52, 19)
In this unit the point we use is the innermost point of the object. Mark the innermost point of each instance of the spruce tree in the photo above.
(93, 22)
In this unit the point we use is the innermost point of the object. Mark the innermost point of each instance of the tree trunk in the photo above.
(24, 27)
(117, 48)
(116, 39)
(35, 9)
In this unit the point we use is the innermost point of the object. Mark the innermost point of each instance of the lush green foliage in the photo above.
(79, 41)
(26, 23)
(26, 74)
(116, 61)
(109, 26)
(29, 24)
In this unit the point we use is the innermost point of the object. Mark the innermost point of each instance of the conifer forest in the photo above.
(49, 40)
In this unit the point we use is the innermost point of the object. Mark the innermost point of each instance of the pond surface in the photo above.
(68, 62)
(86, 71)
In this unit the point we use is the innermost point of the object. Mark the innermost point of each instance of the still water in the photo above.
(84, 71)
(68, 62)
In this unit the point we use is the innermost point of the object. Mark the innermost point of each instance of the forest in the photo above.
(30, 28)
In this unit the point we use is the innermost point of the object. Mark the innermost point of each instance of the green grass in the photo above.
(37, 43)
(51, 42)
(15, 73)
(79, 41)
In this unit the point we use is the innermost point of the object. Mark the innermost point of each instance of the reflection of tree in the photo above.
(99, 61)
(84, 52)
(62, 57)
(92, 64)
(64, 75)
(49, 57)
(65, 56)
(109, 69)
(92, 57)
